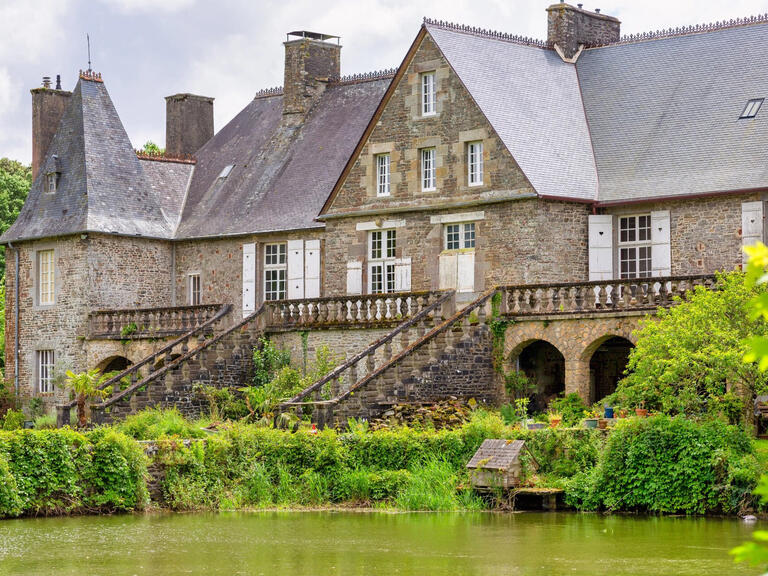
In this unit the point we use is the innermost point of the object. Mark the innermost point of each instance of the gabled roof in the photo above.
(101, 187)
(497, 454)
(281, 173)
(532, 100)
(664, 113)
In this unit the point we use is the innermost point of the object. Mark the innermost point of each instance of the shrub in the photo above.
(571, 407)
(116, 476)
(267, 360)
(154, 423)
(45, 422)
(689, 355)
(664, 464)
(13, 420)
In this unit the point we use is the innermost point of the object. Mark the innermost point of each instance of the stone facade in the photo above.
(188, 123)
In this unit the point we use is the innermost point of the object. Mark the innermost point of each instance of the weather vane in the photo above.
(88, 39)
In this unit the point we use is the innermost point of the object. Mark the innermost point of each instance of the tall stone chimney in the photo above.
(188, 123)
(568, 27)
(48, 106)
(310, 62)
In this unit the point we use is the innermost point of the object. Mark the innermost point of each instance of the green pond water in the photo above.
(322, 543)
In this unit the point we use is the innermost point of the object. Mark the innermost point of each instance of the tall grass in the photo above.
(155, 423)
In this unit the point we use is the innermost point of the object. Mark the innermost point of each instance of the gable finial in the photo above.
(88, 39)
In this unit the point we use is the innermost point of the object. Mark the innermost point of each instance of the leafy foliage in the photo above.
(690, 355)
(155, 423)
(13, 420)
(15, 181)
(86, 385)
(267, 360)
(665, 464)
(571, 407)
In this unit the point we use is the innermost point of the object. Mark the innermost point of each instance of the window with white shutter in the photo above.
(751, 225)
(275, 270)
(249, 278)
(600, 247)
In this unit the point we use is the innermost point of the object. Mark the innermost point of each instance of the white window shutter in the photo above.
(295, 269)
(465, 272)
(249, 279)
(600, 247)
(403, 275)
(751, 225)
(312, 269)
(354, 277)
(448, 271)
(661, 247)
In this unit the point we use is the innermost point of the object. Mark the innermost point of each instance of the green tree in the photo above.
(688, 357)
(15, 181)
(86, 385)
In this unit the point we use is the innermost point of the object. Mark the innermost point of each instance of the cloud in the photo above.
(30, 30)
(137, 6)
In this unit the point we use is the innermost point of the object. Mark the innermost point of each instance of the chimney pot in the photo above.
(58, 81)
(597, 10)
(46, 81)
(188, 123)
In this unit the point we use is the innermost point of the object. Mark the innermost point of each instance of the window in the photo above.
(44, 371)
(52, 181)
(635, 246)
(475, 163)
(427, 169)
(226, 170)
(428, 95)
(382, 175)
(752, 108)
(195, 292)
(382, 261)
(45, 277)
(274, 271)
(460, 236)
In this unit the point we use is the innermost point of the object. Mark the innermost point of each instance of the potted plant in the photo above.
(622, 412)
(641, 411)
(554, 419)
(590, 419)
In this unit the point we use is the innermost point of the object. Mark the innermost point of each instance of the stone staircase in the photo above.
(437, 354)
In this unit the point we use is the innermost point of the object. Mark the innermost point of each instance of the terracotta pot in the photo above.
(602, 423)
(641, 412)
(622, 413)
(555, 422)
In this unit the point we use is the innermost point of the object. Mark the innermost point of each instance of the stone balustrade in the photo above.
(604, 296)
(364, 310)
(149, 322)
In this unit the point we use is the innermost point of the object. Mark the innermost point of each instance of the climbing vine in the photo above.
(498, 327)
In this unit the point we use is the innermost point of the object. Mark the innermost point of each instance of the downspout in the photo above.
(16, 322)
(173, 274)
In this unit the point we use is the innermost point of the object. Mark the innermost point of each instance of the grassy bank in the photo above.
(658, 464)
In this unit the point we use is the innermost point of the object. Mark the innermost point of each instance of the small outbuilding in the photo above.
(501, 464)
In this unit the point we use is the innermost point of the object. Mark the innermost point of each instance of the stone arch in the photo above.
(607, 357)
(114, 363)
(544, 365)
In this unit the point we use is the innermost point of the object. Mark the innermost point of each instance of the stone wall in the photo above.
(705, 233)
(568, 27)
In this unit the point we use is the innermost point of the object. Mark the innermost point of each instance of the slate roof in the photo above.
(664, 114)
(102, 186)
(282, 174)
(532, 100)
(496, 454)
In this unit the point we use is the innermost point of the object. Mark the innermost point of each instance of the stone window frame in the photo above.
(383, 174)
(467, 234)
(370, 180)
(51, 182)
(478, 163)
(191, 276)
(386, 259)
(423, 177)
(35, 273)
(428, 93)
(461, 149)
(414, 101)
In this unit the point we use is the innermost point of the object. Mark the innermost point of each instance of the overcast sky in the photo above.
(228, 49)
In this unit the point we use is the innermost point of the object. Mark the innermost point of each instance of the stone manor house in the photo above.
(570, 185)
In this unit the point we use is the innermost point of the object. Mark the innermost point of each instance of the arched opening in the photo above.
(544, 366)
(114, 364)
(607, 365)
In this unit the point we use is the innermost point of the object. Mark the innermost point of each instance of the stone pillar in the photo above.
(577, 378)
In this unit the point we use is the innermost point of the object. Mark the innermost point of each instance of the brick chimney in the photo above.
(311, 60)
(568, 27)
(188, 123)
(48, 106)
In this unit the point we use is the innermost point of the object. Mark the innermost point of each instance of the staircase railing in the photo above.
(149, 322)
(120, 395)
(365, 361)
(133, 372)
(602, 296)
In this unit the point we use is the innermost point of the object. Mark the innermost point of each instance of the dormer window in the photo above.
(428, 94)
(52, 181)
(225, 172)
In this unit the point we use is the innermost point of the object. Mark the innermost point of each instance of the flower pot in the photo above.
(537, 426)
(590, 423)
(641, 412)
(602, 423)
(608, 412)
(555, 422)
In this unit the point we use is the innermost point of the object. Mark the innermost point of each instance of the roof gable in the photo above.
(532, 100)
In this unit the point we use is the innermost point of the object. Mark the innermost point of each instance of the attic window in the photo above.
(752, 107)
(227, 169)
(51, 182)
